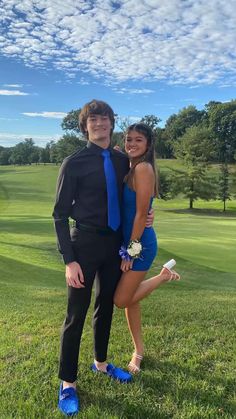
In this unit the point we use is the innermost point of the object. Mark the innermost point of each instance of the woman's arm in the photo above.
(144, 179)
(143, 185)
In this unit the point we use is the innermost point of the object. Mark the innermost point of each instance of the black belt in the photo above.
(97, 230)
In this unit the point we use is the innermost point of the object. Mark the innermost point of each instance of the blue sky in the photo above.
(141, 56)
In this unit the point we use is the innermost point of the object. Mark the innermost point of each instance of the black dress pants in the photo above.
(97, 255)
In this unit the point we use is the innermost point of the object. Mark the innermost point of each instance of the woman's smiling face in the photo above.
(135, 144)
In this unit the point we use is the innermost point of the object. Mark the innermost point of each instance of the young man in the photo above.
(91, 247)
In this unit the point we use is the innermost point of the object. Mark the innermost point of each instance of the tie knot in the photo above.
(106, 153)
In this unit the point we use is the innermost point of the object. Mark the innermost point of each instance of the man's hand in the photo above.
(150, 218)
(74, 275)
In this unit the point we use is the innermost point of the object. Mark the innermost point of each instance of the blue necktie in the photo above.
(113, 206)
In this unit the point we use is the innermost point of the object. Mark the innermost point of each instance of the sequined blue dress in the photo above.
(148, 239)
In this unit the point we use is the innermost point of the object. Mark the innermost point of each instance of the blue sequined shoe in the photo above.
(115, 373)
(68, 401)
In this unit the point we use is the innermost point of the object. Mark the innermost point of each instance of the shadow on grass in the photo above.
(29, 217)
(164, 390)
(148, 395)
(203, 212)
(195, 276)
(27, 225)
(197, 386)
(16, 273)
(48, 247)
(5, 169)
(15, 169)
(119, 405)
(25, 192)
(4, 197)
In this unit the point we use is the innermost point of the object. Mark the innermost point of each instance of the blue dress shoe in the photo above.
(115, 373)
(68, 401)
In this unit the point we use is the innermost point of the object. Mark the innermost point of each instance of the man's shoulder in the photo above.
(74, 157)
(120, 155)
(121, 160)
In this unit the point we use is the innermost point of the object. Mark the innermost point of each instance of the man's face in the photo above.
(98, 128)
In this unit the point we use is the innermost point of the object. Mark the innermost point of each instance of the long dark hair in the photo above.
(149, 155)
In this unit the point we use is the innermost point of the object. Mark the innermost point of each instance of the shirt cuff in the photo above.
(68, 258)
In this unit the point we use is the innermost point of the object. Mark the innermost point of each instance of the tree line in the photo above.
(198, 137)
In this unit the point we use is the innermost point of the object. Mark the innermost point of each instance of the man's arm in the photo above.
(65, 193)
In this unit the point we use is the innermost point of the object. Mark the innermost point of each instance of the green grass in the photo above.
(189, 327)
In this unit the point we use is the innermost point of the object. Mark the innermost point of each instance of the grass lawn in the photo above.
(189, 327)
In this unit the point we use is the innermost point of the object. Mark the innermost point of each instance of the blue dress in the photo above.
(148, 238)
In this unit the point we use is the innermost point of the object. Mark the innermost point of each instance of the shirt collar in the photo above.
(96, 149)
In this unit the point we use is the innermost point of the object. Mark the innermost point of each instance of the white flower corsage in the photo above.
(134, 249)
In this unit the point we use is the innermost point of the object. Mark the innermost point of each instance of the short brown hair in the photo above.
(96, 107)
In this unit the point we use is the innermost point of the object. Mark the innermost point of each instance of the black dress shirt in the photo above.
(81, 192)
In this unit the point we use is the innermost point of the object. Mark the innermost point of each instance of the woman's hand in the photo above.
(126, 265)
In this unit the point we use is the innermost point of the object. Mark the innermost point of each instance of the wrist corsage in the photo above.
(133, 250)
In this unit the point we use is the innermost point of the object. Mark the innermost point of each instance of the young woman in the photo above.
(140, 243)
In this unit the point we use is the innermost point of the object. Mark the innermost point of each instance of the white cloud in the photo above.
(9, 139)
(9, 119)
(13, 85)
(13, 93)
(125, 90)
(181, 42)
(131, 119)
(55, 115)
(82, 81)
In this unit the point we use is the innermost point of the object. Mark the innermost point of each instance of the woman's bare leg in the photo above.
(147, 287)
(132, 287)
(126, 288)
(130, 290)
(133, 316)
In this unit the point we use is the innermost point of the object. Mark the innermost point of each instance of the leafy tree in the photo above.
(5, 155)
(35, 155)
(71, 122)
(122, 123)
(177, 124)
(224, 193)
(17, 156)
(118, 139)
(44, 154)
(167, 186)
(194, 148)
(210, 105)
(53, 152)
(23, 152)
(152, 121)
(162, 144)
(221, 118)
(67, 145)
